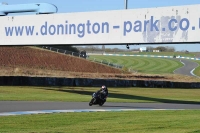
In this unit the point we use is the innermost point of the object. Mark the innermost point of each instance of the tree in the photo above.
(186, 51)
(150, 49)
(115, 50)
(170, 49)
(161, 49)
(103, 47)
(91, 48)
(64, 47)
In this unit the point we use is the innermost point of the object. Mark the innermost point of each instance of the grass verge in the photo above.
(83, 94)
(197, 70)
(184, 121)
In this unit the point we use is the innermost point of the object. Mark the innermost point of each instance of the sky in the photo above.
(68, 6)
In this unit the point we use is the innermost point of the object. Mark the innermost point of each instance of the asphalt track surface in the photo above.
(188, 67)
(14, 106)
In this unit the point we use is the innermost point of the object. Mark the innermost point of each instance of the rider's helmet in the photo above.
(103, 87)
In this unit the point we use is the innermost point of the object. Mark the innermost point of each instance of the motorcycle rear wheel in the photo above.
(90, 104)
(101, 103)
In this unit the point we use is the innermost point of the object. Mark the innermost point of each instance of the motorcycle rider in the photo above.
(104, 92)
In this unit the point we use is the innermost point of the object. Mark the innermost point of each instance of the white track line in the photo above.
(79, 110)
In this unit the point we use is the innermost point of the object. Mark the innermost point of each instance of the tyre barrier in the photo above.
(86, 82)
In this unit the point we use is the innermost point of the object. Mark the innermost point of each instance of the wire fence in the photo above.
(82, 55)
(106, 63)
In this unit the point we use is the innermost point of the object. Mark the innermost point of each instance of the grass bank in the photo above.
(147, 65)
(186, 121)
(197, 70)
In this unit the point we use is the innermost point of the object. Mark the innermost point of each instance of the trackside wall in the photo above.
(86, 82)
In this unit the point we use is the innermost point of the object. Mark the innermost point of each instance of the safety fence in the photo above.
(64, 51)
(106, 63)
(157, 56)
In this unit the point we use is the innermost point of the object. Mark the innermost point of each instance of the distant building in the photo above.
(143, 49)
(156, 50)
(149, 50)
(4, 3)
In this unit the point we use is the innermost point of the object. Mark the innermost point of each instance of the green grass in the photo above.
(83, 94)
(182, 121)
(197, 70)
(186, 121)
(143, 64)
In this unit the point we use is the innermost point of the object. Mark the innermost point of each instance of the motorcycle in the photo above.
(97, 99)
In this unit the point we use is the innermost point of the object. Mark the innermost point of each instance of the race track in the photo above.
(188, 67)
(14, 107)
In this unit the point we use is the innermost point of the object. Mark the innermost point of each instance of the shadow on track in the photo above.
(129, 97)
(130, 107)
